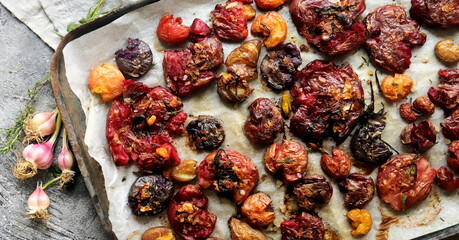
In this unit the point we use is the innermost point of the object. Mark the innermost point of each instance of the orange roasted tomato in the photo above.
(107, 80)
(405, 180)
(228, 171)
(171, 30)
(336, 166)
(258, 210)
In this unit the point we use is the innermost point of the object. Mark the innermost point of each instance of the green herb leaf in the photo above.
(55, 170)
(394, 84)
(404, 197)
(92, 14)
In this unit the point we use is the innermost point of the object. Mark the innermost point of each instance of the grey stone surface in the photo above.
(25, 60)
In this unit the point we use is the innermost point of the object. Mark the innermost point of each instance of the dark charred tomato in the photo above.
(446, 94)
(366, 143)
(357, 190)
(330, 26)
(231, 88)
(279, 67)
(304, 227)
(264, 123)
(206, 132)
(420, 137)
(139, 126)
(149, 195)
(312, 190)
(171, 30)
(336, 166)
(439, 13)
(407, 112)
(228, 171)
(391, 36)
(258, 210)
(135, 60)
(187, 71)
(405, 180)
(329, 100)
(288, 161)
(453, 158)
(445, 179)
(188, 214)
(230, 21)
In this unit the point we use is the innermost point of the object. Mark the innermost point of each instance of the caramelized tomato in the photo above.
(171, 30)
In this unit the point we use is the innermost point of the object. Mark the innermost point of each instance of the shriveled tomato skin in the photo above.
(171, 30)
(453, 158)
(390, 37)
(228, 171)
(304, 227)
(264, 123)
(139, 126)
(405, 180)
(446, 94)
(188, 214)
(434, 14)
(288, 160)
(445, 179)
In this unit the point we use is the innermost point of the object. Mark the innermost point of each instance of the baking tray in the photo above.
(73, 120)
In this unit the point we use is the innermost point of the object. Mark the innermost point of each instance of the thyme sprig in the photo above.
(92, 14)
(9, 136)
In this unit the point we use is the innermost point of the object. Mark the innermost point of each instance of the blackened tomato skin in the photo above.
(188, 214)
(150, 194)
(264, 123)
(405, 180)
(171, 30)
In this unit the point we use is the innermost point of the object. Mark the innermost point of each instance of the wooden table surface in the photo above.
(25, 60)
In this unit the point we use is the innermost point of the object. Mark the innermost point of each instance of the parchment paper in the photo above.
(99, 46)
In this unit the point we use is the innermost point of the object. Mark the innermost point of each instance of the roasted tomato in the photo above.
(187, 71)
(313, 190)
(366, 143)
(139, 126)
(357, 190)
(149, 195)
(336, 166)
(135, 60)
(269, 4)
(420, 137)
(391, 36)
(228, 171)
(288, 161)
(445, 179)
(272, 26)
(232, 89)
(206, 132)
(243, 60)
(278, 68)
(199, 30)
(446, 94)
(453, 158)
(330, 26)
(242, 231)
(171, 30)
(303, 227)
(439, 13)
(330, 100)
(188, 214)
(156, 233)
(264, 123)
(424, 106)
(407, 112)
(450, 126)
(258, 210)
(405, 180)
(396, 88)
(230, 20)
(107, 80)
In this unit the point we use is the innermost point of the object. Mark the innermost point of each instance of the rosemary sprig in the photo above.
(92, 14)
(10, 135)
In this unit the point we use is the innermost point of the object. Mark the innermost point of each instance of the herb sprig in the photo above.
(92, 14)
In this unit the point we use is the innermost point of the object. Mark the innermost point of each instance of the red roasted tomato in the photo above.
(139, 126)
(228, 171)
(171, 30)
(303, 227)
(330, 26)
(264, 123)
(288, 160)
(438, 13)
(405, 180)
(336, 166)
(188, 214)
(230, 21)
